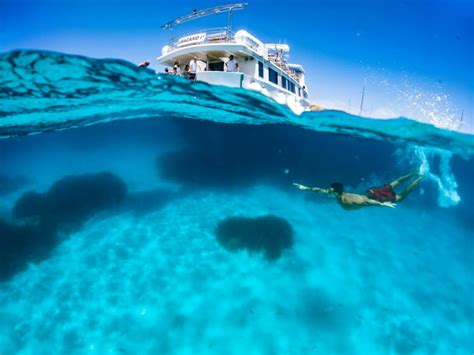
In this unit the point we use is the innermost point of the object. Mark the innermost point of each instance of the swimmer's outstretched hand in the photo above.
(389, 204)
(301, 187)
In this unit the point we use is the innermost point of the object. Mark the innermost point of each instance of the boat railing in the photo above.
(208, 35)
(222, 35)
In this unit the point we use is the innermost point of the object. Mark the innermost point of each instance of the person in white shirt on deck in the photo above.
(193, 66)
(232, 65)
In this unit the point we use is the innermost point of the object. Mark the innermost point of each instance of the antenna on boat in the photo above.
(195, 14)
(362, 99)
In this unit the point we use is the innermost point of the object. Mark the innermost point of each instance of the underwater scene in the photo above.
(146, 214)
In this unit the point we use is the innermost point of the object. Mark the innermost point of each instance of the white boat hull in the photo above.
(240, 80)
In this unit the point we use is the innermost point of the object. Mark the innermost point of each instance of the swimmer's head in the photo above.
(336, 188)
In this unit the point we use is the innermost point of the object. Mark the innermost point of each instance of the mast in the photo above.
(229, 23)
(362, 99)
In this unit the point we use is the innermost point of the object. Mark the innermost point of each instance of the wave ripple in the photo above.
(42, 91)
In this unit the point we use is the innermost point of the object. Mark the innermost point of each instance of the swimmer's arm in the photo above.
(315, 189)
(370, 202)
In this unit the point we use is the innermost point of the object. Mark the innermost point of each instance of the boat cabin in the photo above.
(260, 67)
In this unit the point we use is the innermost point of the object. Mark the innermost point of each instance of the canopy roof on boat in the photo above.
(219, 54)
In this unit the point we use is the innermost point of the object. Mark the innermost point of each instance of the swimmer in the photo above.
(383, 196)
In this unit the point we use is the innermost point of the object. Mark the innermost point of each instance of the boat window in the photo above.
(216, 66)
(272, 76)
(299, 91)
(283, 82)
(260, 69)
(292, 87)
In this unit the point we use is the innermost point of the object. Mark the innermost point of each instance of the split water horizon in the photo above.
(141, 213)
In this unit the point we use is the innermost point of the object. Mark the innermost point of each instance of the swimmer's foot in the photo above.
(422, 170)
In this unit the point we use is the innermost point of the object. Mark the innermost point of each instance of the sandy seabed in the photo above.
(365, 282)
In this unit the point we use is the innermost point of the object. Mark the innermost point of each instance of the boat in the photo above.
(262, 67)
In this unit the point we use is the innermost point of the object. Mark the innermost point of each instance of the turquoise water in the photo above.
(114, 183)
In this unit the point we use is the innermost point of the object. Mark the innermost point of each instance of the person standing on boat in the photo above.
(176, 68)
(193, 65)
(232, 65)
(305, 92)
(185, 72)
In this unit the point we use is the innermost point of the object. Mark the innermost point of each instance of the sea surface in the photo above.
(144, 214)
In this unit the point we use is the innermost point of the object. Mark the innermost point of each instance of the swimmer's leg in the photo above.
(409, 189)
(401, 180)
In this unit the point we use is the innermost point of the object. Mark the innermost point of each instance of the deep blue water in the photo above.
(119, 192)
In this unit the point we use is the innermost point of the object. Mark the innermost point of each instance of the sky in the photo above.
(415, 58)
